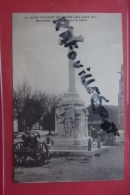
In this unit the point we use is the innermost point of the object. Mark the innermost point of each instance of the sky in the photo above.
(38, 58)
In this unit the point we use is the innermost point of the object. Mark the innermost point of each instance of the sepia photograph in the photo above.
(68, 97)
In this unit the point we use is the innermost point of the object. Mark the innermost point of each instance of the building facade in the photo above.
(121, 100)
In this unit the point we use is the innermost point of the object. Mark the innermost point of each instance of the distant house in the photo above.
(20, 127)
(15, 126)
(95, 124)
(95, 120)
(37, 126)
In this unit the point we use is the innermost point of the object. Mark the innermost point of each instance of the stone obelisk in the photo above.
(71, 96)
(80, 131)
(72, 88)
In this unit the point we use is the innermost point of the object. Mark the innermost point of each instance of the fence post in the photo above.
(48, 140)
(89, 144)
(99, 142)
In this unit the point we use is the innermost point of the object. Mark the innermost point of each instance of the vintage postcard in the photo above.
(68, 97)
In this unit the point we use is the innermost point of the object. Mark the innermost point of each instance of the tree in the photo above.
(32, 112)
(27, 109)
(20, 95)
(48, 119)
(31, 106)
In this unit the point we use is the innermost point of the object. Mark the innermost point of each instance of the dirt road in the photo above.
(108, 165)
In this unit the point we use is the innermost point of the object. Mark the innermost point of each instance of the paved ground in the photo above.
(108, 165)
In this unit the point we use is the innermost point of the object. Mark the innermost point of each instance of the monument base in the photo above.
(69, 141)
(67, 147)
(71, 122)
(77, 151)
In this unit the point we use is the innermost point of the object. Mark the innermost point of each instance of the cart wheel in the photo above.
(41, 153)
(19, 157)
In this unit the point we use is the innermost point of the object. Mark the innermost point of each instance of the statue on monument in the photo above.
(65, 120)
(60, 112)
(69, 120)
